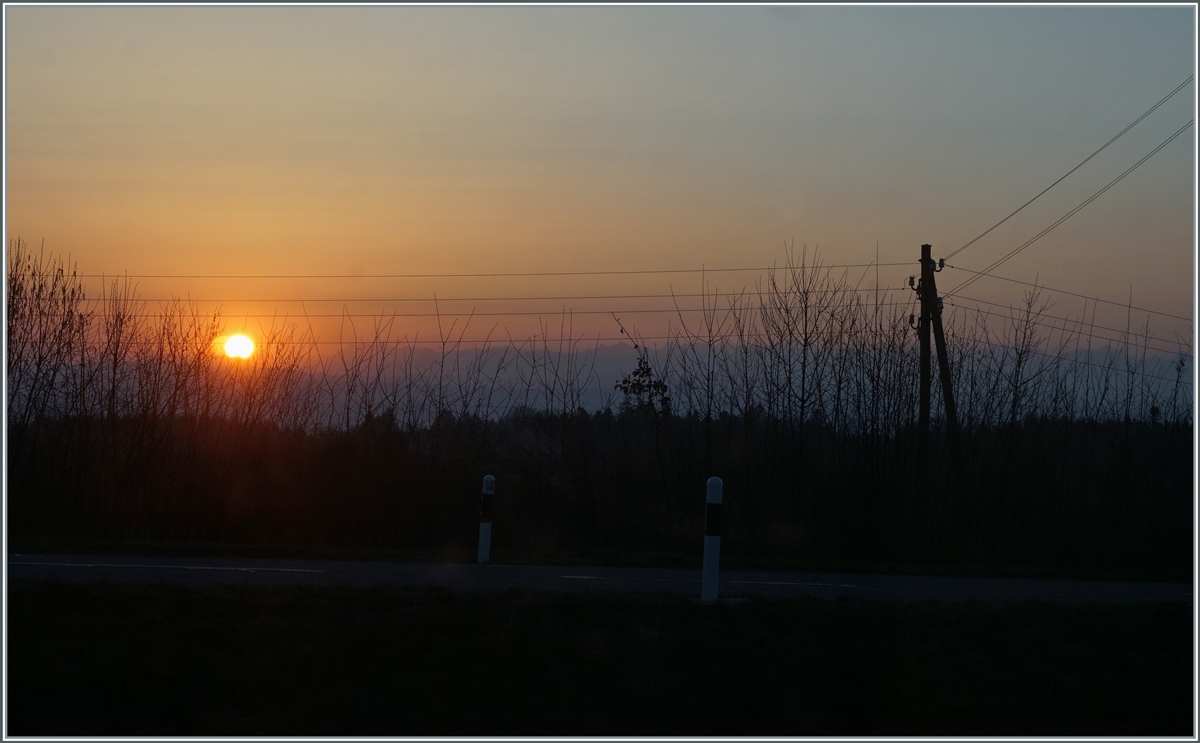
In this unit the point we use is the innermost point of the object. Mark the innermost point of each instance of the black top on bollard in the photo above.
(712, 540)
(489, 496)
(712, 507)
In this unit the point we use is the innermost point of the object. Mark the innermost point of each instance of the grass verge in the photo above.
(123, 660)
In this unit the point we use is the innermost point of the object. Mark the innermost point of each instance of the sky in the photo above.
(397, 140)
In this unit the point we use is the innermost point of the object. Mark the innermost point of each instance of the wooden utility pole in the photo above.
(931, 315)
(939, 339)
(924, 292)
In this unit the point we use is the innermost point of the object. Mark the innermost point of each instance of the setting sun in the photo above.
(239, 346)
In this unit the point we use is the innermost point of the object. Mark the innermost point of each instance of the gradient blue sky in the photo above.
(424, 139)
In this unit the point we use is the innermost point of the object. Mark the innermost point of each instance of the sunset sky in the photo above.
(397, 140)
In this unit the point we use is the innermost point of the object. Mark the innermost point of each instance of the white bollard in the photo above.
(712, 539)
(485, 518)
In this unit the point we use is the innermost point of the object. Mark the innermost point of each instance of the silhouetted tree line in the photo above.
(801, 394)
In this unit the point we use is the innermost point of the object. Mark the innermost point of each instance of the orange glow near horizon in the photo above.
(291, 162)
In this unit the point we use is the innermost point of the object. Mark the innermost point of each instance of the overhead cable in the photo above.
(510, 274)
(1069, 214)
(1072, 170)
(1064, 291)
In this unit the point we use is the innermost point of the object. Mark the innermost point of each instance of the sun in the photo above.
(239, 346)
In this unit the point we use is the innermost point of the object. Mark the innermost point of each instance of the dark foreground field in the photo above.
(123, 660)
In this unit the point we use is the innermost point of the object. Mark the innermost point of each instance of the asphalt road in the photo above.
(733, 583)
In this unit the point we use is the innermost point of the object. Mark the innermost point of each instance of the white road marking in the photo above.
(168, 567)
(789, 583)
(634, 579)
(737, 582)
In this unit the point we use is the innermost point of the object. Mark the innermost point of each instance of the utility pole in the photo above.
(931, 315)
(924, 292)
(939, 339)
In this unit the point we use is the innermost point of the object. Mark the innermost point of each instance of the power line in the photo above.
(727, 336)
(1079, 332)
(459, 343)
(1080, 320)
(384, 314)
(511, 274)
(1077, 167)
(586, 297)
(1068, 321)
(499, 299)
(1064, 291)
(388, 315)
(1134, 372)
(1069, 214)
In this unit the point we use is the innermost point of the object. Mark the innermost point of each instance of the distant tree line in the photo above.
(125, 423)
